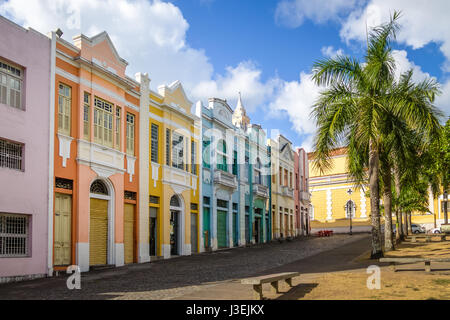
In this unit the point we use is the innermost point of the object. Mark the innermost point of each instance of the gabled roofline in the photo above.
(173, 86)
(99, 38)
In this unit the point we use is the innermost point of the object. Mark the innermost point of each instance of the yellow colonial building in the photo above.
(331, 201)
(330, 198)
(172, 226)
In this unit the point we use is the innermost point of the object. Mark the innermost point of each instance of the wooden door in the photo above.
(98, 232)
(63, 229)
(128, 232)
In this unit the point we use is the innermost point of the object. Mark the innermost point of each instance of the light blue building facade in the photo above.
(235, 177)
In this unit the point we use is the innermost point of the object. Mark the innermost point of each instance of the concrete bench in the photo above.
(427, 261)
(273, 279)
(427, 237)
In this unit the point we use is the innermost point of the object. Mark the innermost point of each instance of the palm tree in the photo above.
(351, 110)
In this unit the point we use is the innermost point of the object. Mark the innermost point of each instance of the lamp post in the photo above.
(349, 208)
(445, 207)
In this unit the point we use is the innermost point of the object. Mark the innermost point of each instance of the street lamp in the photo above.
(349, 208)
(445, 207)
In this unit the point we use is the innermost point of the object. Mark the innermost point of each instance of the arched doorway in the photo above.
(99, 228)
(175, 226)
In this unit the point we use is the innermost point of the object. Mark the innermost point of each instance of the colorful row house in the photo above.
(235, 176)
(172, 227)
(116, 173)
(26, 177)
(96, 148)
(283, 201)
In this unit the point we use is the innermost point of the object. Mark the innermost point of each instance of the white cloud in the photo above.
(150, 35)
(292, 13)
(422, 22)
(246, 78)
(295, 98)
(330, 52)
(403, 64)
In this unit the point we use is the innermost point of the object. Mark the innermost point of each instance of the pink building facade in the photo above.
(25, 174)
(301, 192)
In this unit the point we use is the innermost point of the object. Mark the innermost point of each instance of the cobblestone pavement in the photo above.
(177, 277)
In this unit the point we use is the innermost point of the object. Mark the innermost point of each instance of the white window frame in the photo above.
(11, 82)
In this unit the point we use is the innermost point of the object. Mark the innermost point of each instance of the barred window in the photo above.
(155, 140)
(103, 122)
(11, 155)
(14, 235)
(86, 115)
(130, 133)
(63, 183)
(154, 200)
(194, 206)
(130, 195)
(10, 85)
(64, 108)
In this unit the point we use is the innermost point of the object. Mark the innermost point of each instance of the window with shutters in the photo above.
(177, 150)
(222, 156)
(194, 157)
(64, 108)
(168, 147)
(130, 133)
(235, 164)
(86, 115)
(11, 155)
(103, 122)
(11, 83)
(155, 141)
(14, 235)
(117, 128)
(257, 172)
(206, 153)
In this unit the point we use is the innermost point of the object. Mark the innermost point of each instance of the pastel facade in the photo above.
(25, 175)
(283, 201)
(301, 193)
(96, 152)
(174, 189)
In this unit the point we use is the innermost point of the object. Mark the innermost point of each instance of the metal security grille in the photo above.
(154, 200)
(63, 183)
(130, 195)
(11, 155)
(13, 235)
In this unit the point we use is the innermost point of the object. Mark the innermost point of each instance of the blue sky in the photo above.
(265, 48)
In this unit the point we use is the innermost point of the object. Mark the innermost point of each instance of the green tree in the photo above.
(355, 103)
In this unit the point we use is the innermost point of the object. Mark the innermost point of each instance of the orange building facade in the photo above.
(96, 159)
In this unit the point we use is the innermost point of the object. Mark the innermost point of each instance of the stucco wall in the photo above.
(26, 192)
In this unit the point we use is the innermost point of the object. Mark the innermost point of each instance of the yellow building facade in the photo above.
(174, 218)
(330, 196)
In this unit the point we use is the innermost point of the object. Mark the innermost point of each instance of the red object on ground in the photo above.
(325, 233)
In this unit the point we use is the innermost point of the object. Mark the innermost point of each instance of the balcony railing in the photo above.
(225, 178)
(260, 190)
(287, 192)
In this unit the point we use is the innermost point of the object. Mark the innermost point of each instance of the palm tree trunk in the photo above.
(387, 199)
(399, 235)
(405, 223)
(374, 201)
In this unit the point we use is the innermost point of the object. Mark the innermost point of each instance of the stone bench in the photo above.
(427, 237)
(427, 261)
(273, 279)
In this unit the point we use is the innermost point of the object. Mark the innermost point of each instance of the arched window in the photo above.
(175, 202)
(99, 187)
(350, 207)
